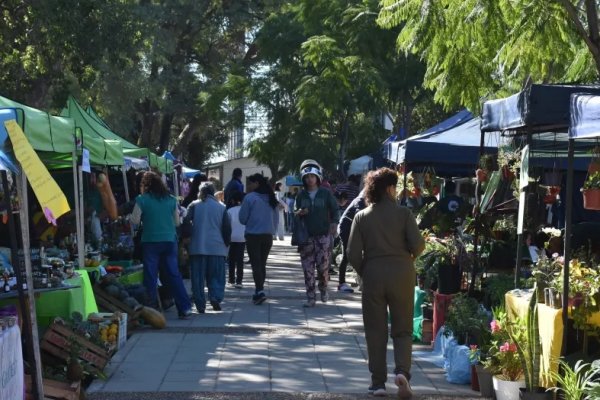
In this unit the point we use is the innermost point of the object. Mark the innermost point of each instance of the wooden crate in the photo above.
(56, 341)
(55, 389)
(427, 331)
(109, 303)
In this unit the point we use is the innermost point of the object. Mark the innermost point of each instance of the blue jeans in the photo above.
(153, 252)
(209, 270)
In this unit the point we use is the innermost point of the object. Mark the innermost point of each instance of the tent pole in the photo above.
(81, 248)
(125, 183)
(405, 192)
(80, 260)
(567, 241)
(175, 183)
(31, 314)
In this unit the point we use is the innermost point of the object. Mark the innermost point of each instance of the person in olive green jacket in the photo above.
(320, 212)
(384, 241)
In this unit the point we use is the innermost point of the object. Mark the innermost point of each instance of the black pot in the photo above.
(484, 378)
(538, 395)
(448, 279)
(427, 312)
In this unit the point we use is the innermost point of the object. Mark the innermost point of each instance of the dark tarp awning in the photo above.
(538, 107)
(585, 116)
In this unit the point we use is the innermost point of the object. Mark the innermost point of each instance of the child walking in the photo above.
(238, 242)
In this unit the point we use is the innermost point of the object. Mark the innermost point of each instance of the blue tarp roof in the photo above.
(585, 116)
(453, 151)
(539, 108)
(393, 149)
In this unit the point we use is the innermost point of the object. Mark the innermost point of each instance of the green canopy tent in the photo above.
(54, 139)
(75, 111)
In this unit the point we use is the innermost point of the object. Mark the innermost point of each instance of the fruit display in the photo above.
(117, 290)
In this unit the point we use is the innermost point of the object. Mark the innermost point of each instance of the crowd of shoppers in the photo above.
(223, 228)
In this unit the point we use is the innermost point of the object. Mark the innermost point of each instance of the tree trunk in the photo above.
(165, 132)
(180, 146)
(344, 134)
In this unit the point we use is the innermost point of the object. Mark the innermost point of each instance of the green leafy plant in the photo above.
(577, 383)
(466, 320)
(496, 287)
(592, 181)
(525, 334)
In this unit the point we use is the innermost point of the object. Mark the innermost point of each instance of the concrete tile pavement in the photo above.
(276, 348)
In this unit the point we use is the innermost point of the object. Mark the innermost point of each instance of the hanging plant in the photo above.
(591, 192)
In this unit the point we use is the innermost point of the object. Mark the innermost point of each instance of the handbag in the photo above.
(187, 226)
(300, 232)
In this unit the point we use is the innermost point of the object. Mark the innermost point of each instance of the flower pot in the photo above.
(474, 380)
(484, 379)
(507, 390)
(541, 394)
(448, 279)
(591, 199)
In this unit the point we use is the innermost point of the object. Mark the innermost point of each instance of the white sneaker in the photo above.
(404, 389)
(344, 287)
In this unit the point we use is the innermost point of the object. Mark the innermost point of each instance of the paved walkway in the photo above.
(277, 350)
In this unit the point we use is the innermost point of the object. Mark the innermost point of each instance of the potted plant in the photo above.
(526, 336)
(577, 383)
(591, 191)
(466, 320)
(545, 271)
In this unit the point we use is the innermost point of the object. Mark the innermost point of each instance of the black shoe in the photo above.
(215, 305)
(259, 298)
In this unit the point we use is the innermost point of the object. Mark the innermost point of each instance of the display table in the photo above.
(550, 327)
(62, 302)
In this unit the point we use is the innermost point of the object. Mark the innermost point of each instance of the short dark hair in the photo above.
(377, 182)
(355, 178)
(154, 184)
(237, 172)
(449, 187)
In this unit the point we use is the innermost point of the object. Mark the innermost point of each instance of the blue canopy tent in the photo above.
(393, 151)
(451, 152)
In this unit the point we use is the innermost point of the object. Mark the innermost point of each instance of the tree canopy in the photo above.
(476, 49)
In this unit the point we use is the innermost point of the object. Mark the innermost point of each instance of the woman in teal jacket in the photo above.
(157, 210)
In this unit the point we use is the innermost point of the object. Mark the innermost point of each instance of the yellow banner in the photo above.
(51, 198)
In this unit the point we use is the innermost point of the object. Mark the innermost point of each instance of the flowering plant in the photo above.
(509, 361)
(503, 357)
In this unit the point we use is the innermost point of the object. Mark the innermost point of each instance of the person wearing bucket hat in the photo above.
(319, 210)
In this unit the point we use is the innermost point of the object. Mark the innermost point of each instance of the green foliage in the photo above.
(592, 181)
(466, 320)
(576, 383)
(526, 335)
(496, 287)
(478, 49)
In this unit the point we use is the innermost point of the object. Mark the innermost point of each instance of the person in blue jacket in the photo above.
(260, 215)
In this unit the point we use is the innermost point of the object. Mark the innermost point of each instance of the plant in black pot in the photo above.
(526, 336)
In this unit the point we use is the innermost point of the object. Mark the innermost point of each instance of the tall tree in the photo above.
(475, 49)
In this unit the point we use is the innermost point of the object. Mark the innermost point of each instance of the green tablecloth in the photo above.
(132, 278)
(63, 303)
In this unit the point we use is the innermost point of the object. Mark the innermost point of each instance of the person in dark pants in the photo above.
(238, 243)
(344, 233)
(384, 241)
(259, 214)
(157, 210)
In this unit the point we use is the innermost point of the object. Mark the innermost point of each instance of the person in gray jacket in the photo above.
(384, 241)
(211, 235)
